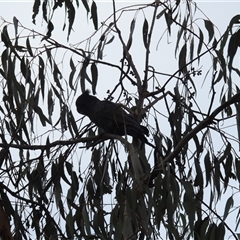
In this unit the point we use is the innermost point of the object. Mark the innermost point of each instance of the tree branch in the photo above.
(33, 204)
(101, 137)
(204, 123)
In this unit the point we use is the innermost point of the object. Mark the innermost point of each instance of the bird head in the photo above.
(82, 102)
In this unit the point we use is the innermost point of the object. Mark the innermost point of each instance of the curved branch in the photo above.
(182, 143)
(101, 137)
(204, 123)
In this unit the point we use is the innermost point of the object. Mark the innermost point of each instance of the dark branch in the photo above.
(204, 123)
(101, 137)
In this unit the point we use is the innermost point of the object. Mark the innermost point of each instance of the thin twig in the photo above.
(204, 123)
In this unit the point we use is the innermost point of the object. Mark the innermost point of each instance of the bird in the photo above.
(111, 117)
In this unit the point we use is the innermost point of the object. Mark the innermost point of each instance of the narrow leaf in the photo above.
(234, 43)
(132, 27)
(5, 37)
(73, 68)
(216, 176)
(237, 166)
(182, 59)
(50, 103)
(210, 29)
(168, 18)
(200, 42)
(94, 15)
(71, 15)
(179, 35)
(15, 23)
(220, 231)
(159, 15)
(199, 177)
(63, 115)
(36, 6)
(110, 40)
(42, 117)
(145, 32)
(228, 205)
(44, 10)
(94, 72)
(41, 74)
(29, 47)
(191, 49)
(100, 51)
(4, 59)
(85, 4)
(72, 122)
(25, 69)
(49, 56)
(50, 29)
(208, 167)
(57, 75)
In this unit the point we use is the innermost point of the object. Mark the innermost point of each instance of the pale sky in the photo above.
(219, 12)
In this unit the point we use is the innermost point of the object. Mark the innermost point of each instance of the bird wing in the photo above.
(113, 119)
(110, 117)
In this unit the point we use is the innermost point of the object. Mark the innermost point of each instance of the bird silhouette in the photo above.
(110, 117)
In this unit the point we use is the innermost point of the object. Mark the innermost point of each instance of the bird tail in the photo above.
(140, 132)
(144, 130)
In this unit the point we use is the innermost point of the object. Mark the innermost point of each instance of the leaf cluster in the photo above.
(63, 177)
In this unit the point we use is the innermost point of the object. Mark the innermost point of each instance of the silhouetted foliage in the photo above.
(61, 178)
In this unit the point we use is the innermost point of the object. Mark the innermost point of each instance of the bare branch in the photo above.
(203, 124)
(100, 138)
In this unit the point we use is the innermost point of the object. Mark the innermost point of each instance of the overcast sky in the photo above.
(219, 12)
